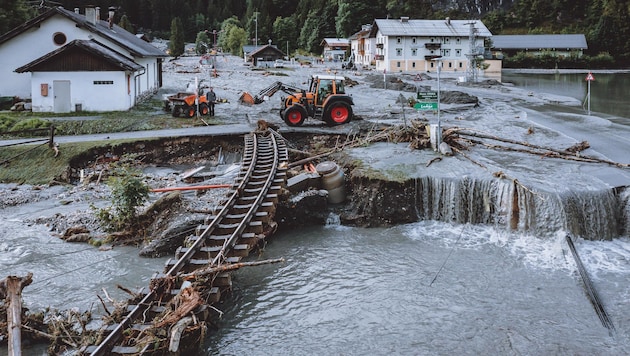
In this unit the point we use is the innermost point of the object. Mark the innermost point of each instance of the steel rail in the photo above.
(250, 162)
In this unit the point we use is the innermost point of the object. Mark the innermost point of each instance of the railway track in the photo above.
(179, 302)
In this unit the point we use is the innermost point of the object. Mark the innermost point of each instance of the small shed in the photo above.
(264, 56)
(82, 75)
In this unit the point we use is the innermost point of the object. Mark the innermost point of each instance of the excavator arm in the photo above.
(247, 98)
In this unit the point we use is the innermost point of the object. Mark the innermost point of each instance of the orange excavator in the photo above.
(325, 100)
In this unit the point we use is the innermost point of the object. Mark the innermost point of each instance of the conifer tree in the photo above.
(176, 45)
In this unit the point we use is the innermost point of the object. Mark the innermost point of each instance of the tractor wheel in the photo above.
(190, 111)
(177, 111)
(295, 116)
(204, 109)
(338, 113)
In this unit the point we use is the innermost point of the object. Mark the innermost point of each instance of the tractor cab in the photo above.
(326, 85)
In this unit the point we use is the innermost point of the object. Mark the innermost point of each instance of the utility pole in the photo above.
(256, 34)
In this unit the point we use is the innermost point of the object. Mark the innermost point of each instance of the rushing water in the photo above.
(427, 288)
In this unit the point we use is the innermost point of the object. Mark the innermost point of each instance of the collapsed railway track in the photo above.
(179, 302)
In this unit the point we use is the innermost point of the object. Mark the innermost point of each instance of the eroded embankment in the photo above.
(375, 200)
(503, 203)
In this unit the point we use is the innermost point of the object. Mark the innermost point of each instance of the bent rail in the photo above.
(231, 234)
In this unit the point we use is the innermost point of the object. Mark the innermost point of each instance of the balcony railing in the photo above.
(432, 45)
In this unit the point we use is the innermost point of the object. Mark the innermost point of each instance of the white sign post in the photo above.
(589, 79)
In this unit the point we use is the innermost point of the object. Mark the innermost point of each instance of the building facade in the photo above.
(407, 45)
(66, 61)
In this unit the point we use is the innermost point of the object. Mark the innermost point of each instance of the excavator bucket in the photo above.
(246, 98)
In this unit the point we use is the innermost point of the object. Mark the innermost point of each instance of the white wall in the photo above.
(92, 97)
(37, 42)
(25, 48)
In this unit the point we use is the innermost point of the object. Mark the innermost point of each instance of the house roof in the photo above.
(113, 58)
(265, 49)
(116, 34)
(335, 42)
(428, 28)
(575, 41)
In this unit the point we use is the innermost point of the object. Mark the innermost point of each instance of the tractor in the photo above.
(325, 100)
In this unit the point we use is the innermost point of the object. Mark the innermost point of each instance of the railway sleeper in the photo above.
(243, 208)
(241, 250)
(253, 226)
(263, 216)
(272, 197)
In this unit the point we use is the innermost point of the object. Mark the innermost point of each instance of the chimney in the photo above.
(97, 14)
(404, 19)
(90, 15)
(110, 18)
(448, 20)
(76, 10)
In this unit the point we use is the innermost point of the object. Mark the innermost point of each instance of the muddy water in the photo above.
(422, 288)
(426, 289)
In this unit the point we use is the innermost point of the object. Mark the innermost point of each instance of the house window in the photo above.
(413, 40)
(397, 64)
(413, 64)
(398, 40)
(447, 40)
(414, 52)
(458, 52)
(103, 82)
(399, 52)
(446, 52)
(59, 38)
(450, 65)
(457, 40)
(460, 65)
(432, 64)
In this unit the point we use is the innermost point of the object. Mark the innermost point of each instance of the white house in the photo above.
(362, 47)
(67, 61)
(407, 45)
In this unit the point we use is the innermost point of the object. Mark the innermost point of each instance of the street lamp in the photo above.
(256, 35)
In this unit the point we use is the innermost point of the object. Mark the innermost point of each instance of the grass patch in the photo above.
(37, 164)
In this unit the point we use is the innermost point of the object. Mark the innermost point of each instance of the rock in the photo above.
(306, 208)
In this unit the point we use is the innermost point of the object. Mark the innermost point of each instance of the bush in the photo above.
(128, 193)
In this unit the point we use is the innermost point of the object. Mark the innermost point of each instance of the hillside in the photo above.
(302, 24)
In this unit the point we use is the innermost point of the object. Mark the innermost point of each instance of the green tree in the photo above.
(13, 14)
(176, 44)
(285, 33)
(126, 24)
(202, 43)
(236, 38)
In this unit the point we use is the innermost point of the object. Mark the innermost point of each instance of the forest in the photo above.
(301, 24)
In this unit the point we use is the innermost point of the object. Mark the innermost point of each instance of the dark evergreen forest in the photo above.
(301, 24)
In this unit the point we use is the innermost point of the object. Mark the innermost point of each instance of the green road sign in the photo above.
(425, 106)
(427, 95)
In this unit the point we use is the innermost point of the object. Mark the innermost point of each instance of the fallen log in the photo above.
(572, 153)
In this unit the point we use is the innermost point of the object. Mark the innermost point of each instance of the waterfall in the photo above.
(592, 214)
